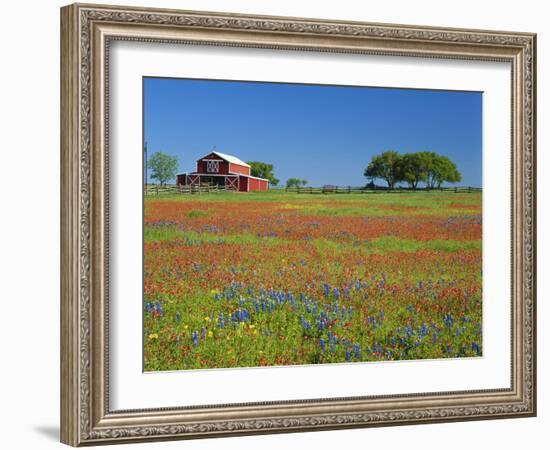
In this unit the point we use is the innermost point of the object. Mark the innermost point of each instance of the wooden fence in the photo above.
(376, 190)
(155, 189)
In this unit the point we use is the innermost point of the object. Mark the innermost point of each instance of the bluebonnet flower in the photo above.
(195, 338)
(357, 351)
(305, 324)
(178, 317)
(448, 320)
(348, 354)
(321, 325)
(322, 344)
(425, 330)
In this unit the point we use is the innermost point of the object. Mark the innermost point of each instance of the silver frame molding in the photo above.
(86, 32)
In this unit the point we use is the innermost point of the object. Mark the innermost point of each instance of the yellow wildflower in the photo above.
(210, 334)
(153, 336)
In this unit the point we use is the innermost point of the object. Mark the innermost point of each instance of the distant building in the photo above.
(227, 171)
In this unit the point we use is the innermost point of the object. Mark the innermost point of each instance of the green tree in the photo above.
(387, 166)
(295, 182)
(414, 168)
(440, 169)
(263, 170)
(448, 172)
(163, 167)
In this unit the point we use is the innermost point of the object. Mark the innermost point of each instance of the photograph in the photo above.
(294, 224)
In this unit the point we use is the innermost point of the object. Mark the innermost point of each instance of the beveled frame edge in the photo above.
(85, 33)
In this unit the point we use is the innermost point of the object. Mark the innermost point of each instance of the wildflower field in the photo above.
(276, 278)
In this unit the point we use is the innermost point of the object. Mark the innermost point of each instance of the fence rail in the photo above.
(370, 190)
(155, 189)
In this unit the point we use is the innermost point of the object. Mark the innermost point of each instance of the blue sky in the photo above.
(324, 134)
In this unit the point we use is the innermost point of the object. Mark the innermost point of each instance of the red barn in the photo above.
(227, 171)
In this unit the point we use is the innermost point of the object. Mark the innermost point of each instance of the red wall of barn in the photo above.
(257, 185)
(243, 184)
(235, 168)
(180, 179)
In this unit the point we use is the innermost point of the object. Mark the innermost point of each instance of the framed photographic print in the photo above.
(276, 224)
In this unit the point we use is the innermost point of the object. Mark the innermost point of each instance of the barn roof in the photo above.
(230, 158)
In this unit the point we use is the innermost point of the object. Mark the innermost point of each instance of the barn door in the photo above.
(193, 179)
(231, 183)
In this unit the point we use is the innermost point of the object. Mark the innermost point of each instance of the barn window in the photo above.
(212, 166)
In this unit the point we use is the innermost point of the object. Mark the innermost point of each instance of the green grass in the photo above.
(379, 246)
(428, 202)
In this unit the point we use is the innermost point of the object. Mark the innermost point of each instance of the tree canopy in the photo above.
(413, 168)
(263, 170)
(163, 167)
(440, 169)
(295, 182)
(386, 166)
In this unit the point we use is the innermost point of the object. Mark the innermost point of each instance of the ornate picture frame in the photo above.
(87, 31)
